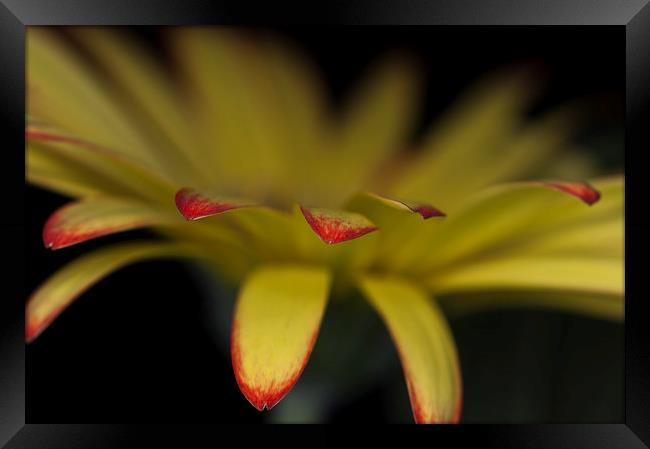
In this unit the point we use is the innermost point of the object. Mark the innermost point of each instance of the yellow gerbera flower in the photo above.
(298, 204)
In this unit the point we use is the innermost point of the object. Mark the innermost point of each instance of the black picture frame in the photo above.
(633, 15)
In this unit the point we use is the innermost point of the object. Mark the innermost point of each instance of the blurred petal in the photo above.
(150, 95)
(563, 273)
(477, 127)
(55, 294)
(246, 108)
(525, 151)
(425, 210)
(581, 190)
(599, 238)
(425, 346)
(193, 204)
(65, 91)
(76, 167)
(609, 307)
(376, 122)
(63, 175)
(274, 329)
(88, 219)
(336, 226)
(507, 215)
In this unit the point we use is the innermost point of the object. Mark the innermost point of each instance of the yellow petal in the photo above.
(479, 124)
(425, 210)
(506, 215)
(151, 98)
(64, 91)
(55, 294)
(240, 90)
(91, 218)
(376, 123)
(275, 326)
(526, 150)
(400, 223)
(76, 167)
(425, 345)
(586, 274)
(600, 238)
(62, 175)
(609, 307)
(298, 111)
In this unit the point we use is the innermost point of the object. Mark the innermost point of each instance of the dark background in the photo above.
(141, 346)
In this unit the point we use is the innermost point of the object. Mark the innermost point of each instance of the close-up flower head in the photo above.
(225, 144)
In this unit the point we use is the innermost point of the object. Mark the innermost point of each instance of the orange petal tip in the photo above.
(333, 226)
(57, 235)
(581, 190)
(268, 396)
(31, 330)
(81, 221)
(34, 327)
(193, 204)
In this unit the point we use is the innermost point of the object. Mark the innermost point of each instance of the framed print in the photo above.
(235, 214)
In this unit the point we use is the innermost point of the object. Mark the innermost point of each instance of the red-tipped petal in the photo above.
(193, 204)
(84, 220)
(35, 326)
(425, 210)
(62, 288)
(425, 346)
(335, 226)
(580, 190)
(274, 329)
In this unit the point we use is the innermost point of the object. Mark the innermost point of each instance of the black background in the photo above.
(136, 347)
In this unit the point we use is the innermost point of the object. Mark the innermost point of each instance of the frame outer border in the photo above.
(634, 14)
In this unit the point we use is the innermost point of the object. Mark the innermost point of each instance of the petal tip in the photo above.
(31, 331)
(261, 398)
(35, 327)
(336, 227)
(581, 190)
(53, 237)
(194, 205)
(56, 236)
(426, 211)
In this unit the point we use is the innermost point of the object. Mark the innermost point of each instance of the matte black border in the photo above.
(633, 14)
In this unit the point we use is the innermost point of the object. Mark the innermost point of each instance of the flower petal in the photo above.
(579, 274)
(76, 167)
(474, 132)
(84, 220)
(62, 175)
(608, 307)
(505, 216)
(160, 111)
(424, 209)
(193, 204)
(248, 106)
(376, 122)
(55, 294)
(425, 345)
(275, 326)
(336, 226)
(598, 238)
(580, 190)
(64, 90)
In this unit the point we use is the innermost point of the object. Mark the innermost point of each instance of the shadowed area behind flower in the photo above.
(292, 192)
